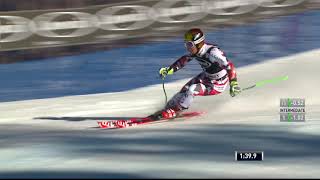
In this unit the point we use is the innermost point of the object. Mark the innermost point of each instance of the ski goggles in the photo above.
(189, 44)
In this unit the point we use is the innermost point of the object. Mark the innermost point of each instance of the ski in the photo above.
(117, 124)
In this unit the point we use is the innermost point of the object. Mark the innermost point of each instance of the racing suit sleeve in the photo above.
(180, 63)
(217, 55)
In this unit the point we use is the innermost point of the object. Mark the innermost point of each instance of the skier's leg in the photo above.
(174, 106)
(183, 99)
(199, 86)
(186, 97)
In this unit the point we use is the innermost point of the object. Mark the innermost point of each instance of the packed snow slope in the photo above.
(59, 137)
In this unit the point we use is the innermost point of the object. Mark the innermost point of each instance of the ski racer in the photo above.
(218, 72)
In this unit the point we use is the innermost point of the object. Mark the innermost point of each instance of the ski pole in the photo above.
(268, 81)
(164, 90)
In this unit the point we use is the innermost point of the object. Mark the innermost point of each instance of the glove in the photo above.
(234, 88)
(165, 71)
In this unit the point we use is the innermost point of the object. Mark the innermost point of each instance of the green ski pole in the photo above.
(268, 81)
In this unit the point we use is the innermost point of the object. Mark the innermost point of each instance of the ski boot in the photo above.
(169, 113)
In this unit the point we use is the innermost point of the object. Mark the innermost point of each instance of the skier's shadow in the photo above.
(82, 118)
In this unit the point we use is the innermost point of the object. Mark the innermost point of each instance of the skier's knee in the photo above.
(196, 89)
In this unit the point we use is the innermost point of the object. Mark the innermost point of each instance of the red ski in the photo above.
(115, 124)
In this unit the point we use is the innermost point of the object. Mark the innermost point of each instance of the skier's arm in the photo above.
(178, 64)
(231, 71)
(234, 85)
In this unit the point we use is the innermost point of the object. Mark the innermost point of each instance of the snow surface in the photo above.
(58, 137)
